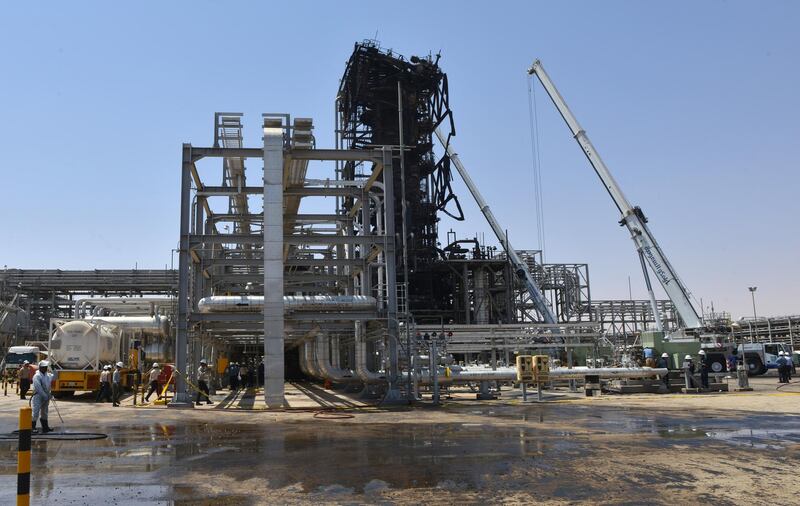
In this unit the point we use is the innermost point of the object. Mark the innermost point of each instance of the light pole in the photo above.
(753, 297)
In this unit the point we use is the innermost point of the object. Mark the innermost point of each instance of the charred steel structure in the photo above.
(375, 86)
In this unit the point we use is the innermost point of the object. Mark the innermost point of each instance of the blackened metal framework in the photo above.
(370, 109)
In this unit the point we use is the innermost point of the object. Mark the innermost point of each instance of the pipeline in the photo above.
(324, 365)
(255, 303)
(362, 371)
(149, 325)
(460, 374)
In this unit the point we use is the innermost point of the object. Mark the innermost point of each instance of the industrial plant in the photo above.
(329, 280)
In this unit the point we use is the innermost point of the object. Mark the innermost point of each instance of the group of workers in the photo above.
(689, 368)
(203, 375)
(784, 367)
(110, 385)
(244, 375)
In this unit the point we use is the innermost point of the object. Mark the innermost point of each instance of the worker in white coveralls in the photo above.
(41, 396)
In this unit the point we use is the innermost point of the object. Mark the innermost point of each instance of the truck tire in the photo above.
(64, 395)
(717, 362)
(755, 367)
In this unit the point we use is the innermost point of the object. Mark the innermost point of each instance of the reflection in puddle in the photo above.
(758, 438)
(139, 462)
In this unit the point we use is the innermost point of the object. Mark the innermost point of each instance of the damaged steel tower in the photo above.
(368, 106)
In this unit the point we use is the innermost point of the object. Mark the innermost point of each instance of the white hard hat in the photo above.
(687, 357)
(780, 353)
(665, 355)
(105, 367)
(702, 352)
(44, 363)
(155, 365)
(25, 362)
(203, 361)
(119, 364)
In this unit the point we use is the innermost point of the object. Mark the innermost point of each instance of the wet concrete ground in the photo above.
(464, 452)
(331, 460)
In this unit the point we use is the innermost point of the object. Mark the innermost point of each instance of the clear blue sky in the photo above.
(693, 105)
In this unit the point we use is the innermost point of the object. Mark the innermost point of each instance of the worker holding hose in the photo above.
(41, 396)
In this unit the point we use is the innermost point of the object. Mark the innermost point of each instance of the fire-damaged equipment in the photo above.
(368, 103)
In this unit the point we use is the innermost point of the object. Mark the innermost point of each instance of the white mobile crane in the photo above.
(632, 217)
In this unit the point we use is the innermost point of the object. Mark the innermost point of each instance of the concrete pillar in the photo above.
(273, 263)
(182, 398)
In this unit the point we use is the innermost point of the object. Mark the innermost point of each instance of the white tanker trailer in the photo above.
(80, 348)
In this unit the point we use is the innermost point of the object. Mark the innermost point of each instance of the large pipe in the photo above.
(118, 303)
(308, 357)
(254, 303)
(362, 371)
(460, 374)
(149, 325)
(324, 366)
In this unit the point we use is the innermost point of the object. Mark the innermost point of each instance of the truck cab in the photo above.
(17, 355)
(762, 357)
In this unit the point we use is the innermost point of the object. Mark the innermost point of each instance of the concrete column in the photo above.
(182, 398)
(273, 263)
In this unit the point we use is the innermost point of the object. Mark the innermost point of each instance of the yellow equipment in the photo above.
(524, 368)
(222, 364)
(533, 368)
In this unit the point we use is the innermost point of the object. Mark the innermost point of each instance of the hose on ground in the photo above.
(56, 436)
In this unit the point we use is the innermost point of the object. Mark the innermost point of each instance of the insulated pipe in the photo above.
(254, 303)
(472, 374)
(150, 325)
(121, 302)
(362, 371)
(324, 362)
(303, 363)
(308, 357)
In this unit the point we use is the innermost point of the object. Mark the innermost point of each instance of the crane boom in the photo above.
(632, 217)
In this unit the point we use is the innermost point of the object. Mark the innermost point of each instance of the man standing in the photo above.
(202, 383)
(243, 375)
(688, 372)
(705, 365)
(41, 396)
(732, 361)
(24, 374)
(116, 384)
(233, 376)
(105, 385)
(154, 373)
(782, 376)
(663, 363)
